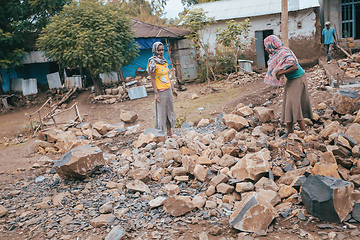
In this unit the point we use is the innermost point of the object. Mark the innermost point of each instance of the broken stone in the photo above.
(267, 184)
(157, 202)
(224, 188)
(252, 165)
(327, 198)
(356, 212)
(128, 116)
(172, 189)
(204, 161)
(234, 121)
(106, 208)
(117, 233)
(150, 135)
(264, 114)
(243, 111)
(327, 166)
(3, 211)
(199, 201)
(356, 151)
(80, 162)
(244, 187)
(329, 129)
(227, 161)
(101, 127)
(137, 186)
(141, 174)
(270, 195)
(344, 101)
(178, 205)
(102, 220)
(158, 174)
(354, 132)
(252, 214)
(221, 178)
(229, 135)
(286, 191)
(203, 122)
(200, 172)
(210, 191)
(210, 204)
(173, 154)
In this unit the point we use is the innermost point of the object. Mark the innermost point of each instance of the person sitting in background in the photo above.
(329, 39)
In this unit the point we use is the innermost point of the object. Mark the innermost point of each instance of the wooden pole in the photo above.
(284, 22)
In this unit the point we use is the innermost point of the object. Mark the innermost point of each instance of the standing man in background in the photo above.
(328, 39)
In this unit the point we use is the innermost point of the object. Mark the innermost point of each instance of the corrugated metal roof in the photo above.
(231, 9)
(147, 30)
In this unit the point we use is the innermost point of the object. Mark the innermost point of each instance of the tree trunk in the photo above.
(1, 83)
(97, 85)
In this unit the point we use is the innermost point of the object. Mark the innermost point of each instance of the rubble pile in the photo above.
(241, 77)
(351, 65)
(243, 177)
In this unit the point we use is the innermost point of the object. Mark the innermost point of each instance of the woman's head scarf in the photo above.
(155, 59)
(281, 58)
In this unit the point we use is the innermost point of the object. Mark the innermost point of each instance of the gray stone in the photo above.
(356, 212)
(327, 198)
(117, 233)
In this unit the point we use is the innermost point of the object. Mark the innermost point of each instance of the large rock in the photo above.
(252, 166)
(254, 213)
(178, 205)
(327, 198)
(234, 121)
(128, 116)
(79, 162)
(67, 140)
(354, 132)
(344, 101)
(200, 172)
(150, 135)
(264, 114)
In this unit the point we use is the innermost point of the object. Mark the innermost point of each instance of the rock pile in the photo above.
(245, 176)
(351, 65)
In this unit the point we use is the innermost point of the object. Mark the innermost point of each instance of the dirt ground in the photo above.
(18, 158)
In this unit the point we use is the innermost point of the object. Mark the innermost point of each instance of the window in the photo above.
(350, 14)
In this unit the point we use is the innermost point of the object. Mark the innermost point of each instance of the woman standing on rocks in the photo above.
(296, 103)
(164, 103)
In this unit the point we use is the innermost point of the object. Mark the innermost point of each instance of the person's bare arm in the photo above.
(152, 77)
(291, 69)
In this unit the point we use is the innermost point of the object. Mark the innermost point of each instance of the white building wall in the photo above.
(306, 17)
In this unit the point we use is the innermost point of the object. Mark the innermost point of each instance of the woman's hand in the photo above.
(175, 93)
(157, 97)
(279, 74)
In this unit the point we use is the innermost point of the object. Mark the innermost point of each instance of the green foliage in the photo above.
(90, 35)
(19, 22)
(222, 63)
(180, 120)
(235, 37)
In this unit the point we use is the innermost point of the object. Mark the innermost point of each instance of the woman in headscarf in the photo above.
(296, 103)
(164, 103)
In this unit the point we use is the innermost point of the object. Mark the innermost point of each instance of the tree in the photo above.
(141, 10)
(235, 36)
(20, 20)
(196, 20)
(91, 35)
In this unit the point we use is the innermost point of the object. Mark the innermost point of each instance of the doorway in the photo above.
(262, 56)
